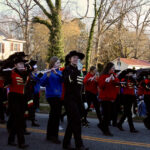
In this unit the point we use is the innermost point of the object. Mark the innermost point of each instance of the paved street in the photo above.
(92, 136)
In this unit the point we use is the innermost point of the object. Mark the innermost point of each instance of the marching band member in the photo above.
(16, 103)
(29, 93)
(108, 84)
(52, 80)
(144, 89)
(3, 98)
(128, 99)
(73, 83)
(91, 88)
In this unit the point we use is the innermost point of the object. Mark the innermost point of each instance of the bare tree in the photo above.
(140, 23)
(54, 24)
(23, 10)
(113, 11)
(106, 15)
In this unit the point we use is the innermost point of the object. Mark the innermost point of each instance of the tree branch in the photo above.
(50, 4)
(43, 9)
(87, 10)
(58, 5)
(41, 21)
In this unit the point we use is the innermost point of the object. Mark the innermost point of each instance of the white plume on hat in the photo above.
(35, 66)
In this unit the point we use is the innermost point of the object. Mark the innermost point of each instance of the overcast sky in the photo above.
(76, 8)
(74, 5)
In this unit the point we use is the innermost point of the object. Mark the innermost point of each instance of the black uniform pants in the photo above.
(2, 109)
(64, 113)
(16, 106)
(128, 101)
(54, 117)
(73, 110)
(92, 98)
(36, 100)
(31, 110)
(106, 111)
(115, 110)
(147, 103)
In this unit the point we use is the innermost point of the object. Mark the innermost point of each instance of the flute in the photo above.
(10, 69)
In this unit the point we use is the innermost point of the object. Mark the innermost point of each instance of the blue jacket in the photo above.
(37, 85)
(53, 84)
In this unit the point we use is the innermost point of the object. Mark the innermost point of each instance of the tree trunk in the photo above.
(88, 50)
(53, 23)
(55, 39)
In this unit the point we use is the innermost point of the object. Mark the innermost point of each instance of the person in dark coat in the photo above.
(3, 100)
(73, 83)
(128, 99)
(29, 92)
(36, 98)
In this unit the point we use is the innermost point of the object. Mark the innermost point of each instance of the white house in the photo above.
(124, 63)
(8, 45)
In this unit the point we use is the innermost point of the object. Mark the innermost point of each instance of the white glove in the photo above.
(141, 97)
(91, 78)
(108, 79)
(112, 77)
(79, 65)
(85, 105)
(79, 80)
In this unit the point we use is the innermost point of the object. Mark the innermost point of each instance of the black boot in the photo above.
(23, 146)
(68, 147)
(82, 148)
(119, 126)
(108, 133)
(26, 132)
(134, 131)
(35, 124)
(2, 121)
(54, 140)
(12, 144)
(147, 123)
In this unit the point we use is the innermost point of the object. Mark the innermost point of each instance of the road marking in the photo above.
(138, 144)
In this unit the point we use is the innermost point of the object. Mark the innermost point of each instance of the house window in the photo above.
(18, 47)
(2, 47)
(15, 47)
(11, 46)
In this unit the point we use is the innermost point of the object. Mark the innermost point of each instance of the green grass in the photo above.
(46, 109)
(42, 97)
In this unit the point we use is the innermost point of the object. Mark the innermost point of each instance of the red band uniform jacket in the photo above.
(144, 87)
(108, 90)
(128, 88)
(91, 86)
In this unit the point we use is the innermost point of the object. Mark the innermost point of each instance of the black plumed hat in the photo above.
(32, 62)
(125, 72)
(14, 58)
(141, 73)
(18, 59)
(74, 53)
